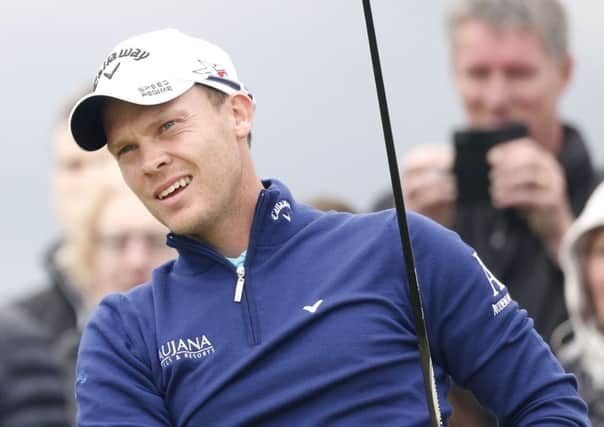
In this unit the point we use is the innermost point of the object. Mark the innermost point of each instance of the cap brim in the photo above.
(86, 122)
(86, 118)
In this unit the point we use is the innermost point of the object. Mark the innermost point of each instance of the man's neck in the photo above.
(551, 137)
(231, 236)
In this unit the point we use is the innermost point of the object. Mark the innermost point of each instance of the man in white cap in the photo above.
(275, 313)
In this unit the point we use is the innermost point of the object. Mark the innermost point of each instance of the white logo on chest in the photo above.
(279, 207)
(313, 308)
(184, 348)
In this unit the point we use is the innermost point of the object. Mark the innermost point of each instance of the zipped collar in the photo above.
(277, 217)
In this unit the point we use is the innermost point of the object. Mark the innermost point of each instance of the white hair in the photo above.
(544, 18)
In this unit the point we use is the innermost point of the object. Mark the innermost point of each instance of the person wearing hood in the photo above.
(580, 342)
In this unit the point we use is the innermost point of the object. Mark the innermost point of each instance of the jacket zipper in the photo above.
(249, 308)
(249, 305)
(240, 283)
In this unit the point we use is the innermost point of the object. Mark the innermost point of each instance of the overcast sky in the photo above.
(307, 62)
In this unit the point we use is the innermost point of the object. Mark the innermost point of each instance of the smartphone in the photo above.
(470, 166)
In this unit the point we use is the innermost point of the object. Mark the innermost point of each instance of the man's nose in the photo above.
(136, 254)
(497, 93)
(154, 159)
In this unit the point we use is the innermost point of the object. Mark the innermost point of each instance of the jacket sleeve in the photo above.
(31, 382)
(486, 343)
(115, 385)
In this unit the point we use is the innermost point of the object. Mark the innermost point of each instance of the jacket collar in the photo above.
(277, 217)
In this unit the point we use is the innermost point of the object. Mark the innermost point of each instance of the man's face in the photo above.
(73, 171)
(595, 273)
(507, 76)
(128, 244)
(182, 158)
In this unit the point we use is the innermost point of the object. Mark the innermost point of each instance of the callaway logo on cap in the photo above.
(151, 69)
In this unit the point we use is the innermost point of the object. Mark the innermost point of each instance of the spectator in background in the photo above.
(115, 245)
(31, 382)
(511, 63)
(582, 258)
(118, 242)
(88, 262)
(58, 306)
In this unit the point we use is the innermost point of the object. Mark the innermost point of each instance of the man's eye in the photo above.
(478, 73)
(167, 125)
(125, 149)
(520, 73)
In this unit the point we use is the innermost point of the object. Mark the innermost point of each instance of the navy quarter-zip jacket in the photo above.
(316, 329)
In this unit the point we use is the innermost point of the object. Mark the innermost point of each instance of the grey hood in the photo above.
(587, 345)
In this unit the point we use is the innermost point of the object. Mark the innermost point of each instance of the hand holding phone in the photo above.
(470, 164)
(428, 182)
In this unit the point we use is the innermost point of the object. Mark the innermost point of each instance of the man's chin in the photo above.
(496, 124)
(184, 229)
(177, 223)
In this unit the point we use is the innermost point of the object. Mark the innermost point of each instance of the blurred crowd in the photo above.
(110, 243)
(517, 184)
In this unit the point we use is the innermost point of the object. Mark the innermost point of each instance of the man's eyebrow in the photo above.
(159, 118)
(163, 116)
(112, 144)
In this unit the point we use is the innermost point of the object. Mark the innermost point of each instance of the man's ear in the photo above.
(242, 108)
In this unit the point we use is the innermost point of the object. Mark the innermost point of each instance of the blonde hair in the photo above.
(77, 254)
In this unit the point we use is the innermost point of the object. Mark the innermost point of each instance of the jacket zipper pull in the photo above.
(240, 283)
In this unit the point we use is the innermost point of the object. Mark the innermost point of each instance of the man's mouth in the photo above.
(175, 188)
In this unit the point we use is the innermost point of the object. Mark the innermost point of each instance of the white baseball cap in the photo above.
(150, 69)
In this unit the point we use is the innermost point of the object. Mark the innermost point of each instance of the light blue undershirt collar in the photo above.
(239, 260)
